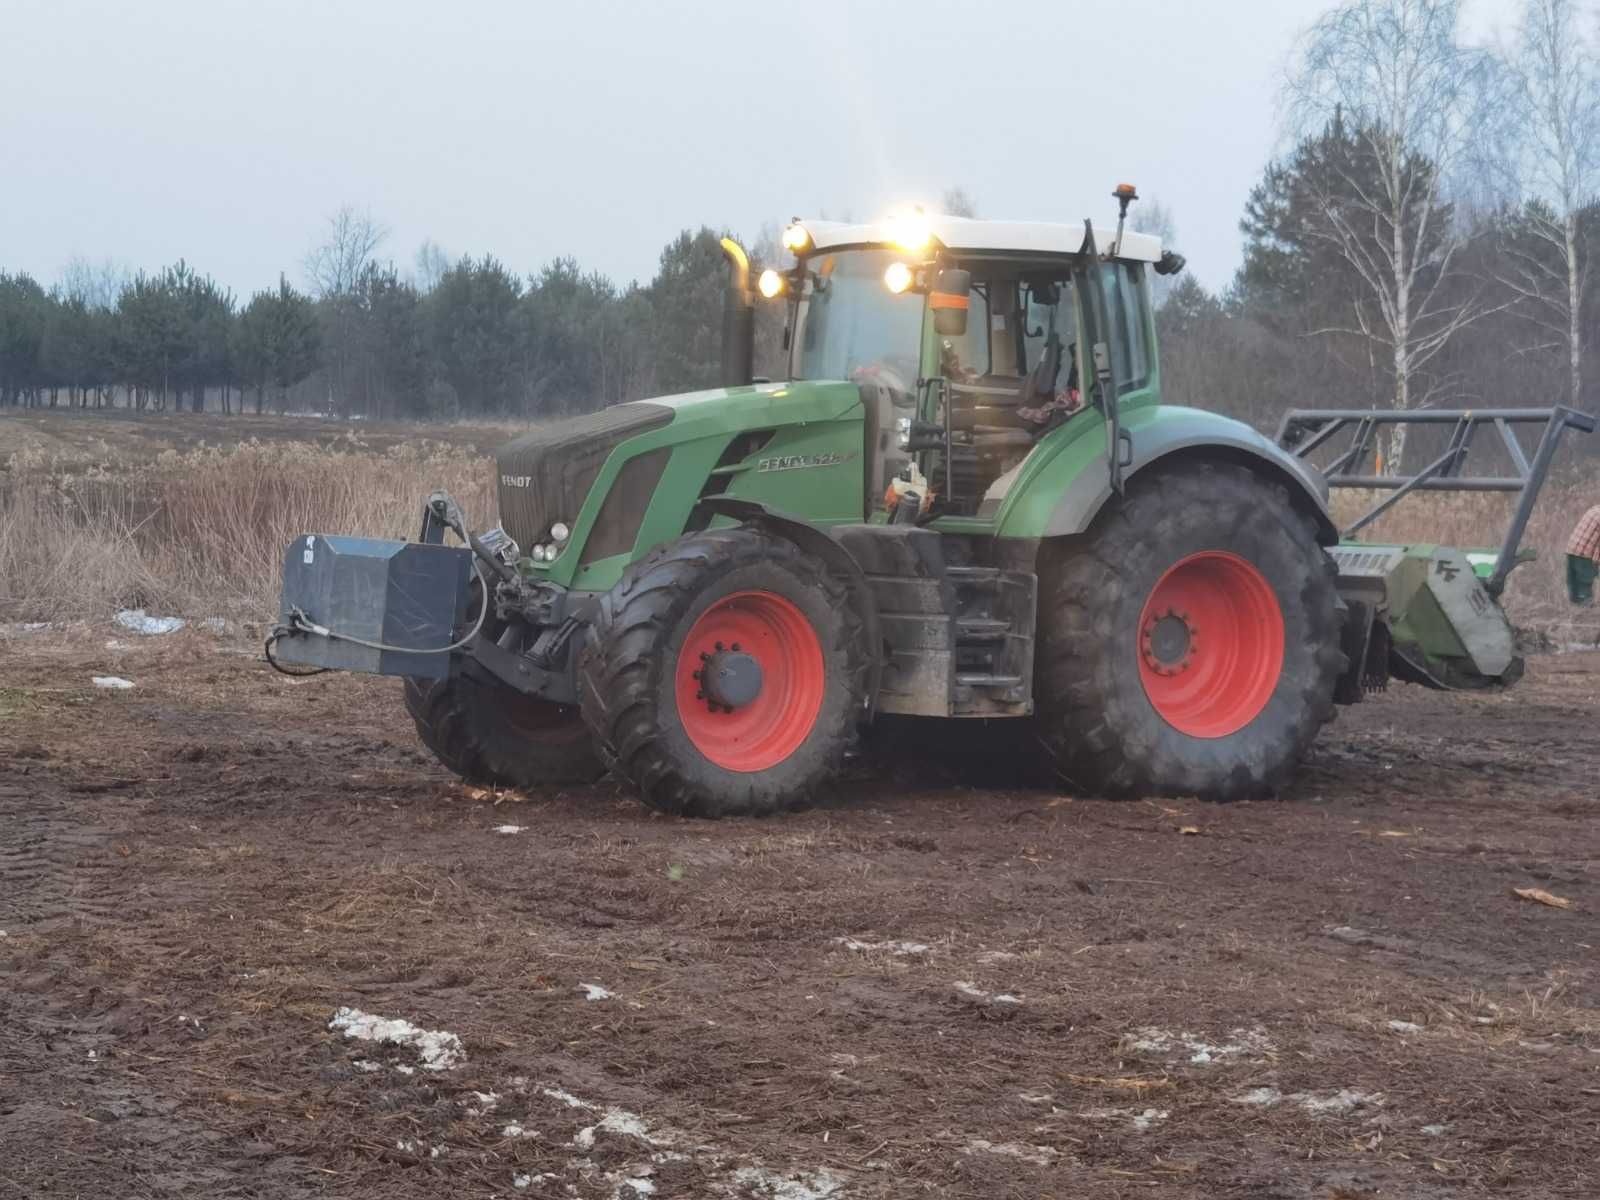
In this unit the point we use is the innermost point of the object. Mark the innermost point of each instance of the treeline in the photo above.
(459, 339)
(1428, 240)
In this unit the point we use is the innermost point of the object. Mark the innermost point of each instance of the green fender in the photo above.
(1065, 482)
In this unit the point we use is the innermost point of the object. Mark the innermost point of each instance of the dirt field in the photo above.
(926, 989)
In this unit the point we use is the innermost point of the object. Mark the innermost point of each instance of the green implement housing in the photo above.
(964, 500)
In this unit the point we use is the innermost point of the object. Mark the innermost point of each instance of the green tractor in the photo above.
(966, 500)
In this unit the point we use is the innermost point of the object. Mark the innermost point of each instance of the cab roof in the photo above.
(967, 234)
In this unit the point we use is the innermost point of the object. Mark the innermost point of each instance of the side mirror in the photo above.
(948, 299)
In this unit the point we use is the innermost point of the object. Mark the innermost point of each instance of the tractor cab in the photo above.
(971, 341)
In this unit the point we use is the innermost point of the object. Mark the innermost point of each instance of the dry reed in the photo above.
(204, 533)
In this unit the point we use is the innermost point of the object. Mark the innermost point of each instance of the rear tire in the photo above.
(490, 734)
(1189, 643)
(751, 594)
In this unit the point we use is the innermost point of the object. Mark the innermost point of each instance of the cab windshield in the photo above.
(849, 325)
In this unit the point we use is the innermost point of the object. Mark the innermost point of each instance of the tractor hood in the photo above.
(546, 475)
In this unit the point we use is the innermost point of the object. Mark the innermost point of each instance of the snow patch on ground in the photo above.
(509, 828)
(801, 1185)
(18, 628)
(1405, 1027)
(593, 991)
(973, 992)
(514, 1130)
(1140, 1119)
(899, 948)
(138, 621)
(1260, 1096)
(634, 1178)
(114, 682)
(1197, 1050)
(1344, 1100)
(620, 1120)
(1316, 1103)
(485, 1103)
(439, 1051)
(1041, 1156)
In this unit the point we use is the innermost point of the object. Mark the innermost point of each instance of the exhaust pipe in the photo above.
(738, 319)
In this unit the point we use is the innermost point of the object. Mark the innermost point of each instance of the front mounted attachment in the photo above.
(1305, 430)
(1425, 613)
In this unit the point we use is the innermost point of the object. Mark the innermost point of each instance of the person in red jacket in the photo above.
(1583, 557)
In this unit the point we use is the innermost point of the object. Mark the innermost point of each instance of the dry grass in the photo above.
(203, 533)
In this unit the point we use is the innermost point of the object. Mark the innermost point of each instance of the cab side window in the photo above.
(1124, 285)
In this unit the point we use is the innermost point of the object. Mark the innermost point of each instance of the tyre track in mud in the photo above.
(54, 865)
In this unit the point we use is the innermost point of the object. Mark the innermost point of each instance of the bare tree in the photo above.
(1555, 154)
(95, 284)
(1154, 217)
(350, 247)
(957, 203)
(432, 263)
(1395, 74)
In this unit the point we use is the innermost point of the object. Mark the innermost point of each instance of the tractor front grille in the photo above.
(546, 474)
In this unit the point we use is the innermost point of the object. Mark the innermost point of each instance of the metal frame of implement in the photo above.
(1304, 430)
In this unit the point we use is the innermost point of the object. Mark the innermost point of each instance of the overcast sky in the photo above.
(225, 132)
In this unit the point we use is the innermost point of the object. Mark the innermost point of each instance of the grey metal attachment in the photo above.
(1303, 431)
(404, 600)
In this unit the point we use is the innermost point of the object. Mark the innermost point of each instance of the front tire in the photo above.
(492, 735)
(725, 674)
(1189, 643)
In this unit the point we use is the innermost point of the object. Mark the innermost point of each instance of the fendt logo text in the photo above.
(516, 480)
(796, 462)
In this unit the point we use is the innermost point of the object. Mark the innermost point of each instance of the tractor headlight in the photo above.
(797, 239)
(771, 283)
(897, 278)
(559, 532)
(902, 427)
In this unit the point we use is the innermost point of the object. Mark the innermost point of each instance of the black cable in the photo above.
(273, 637)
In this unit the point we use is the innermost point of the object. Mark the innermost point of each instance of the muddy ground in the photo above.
(932, 987)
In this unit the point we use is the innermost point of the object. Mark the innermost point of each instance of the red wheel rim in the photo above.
(770, 727)
(1210, 644)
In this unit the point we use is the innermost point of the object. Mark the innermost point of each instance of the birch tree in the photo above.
(1397, 76)
(335, 268)
(1555, 150)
